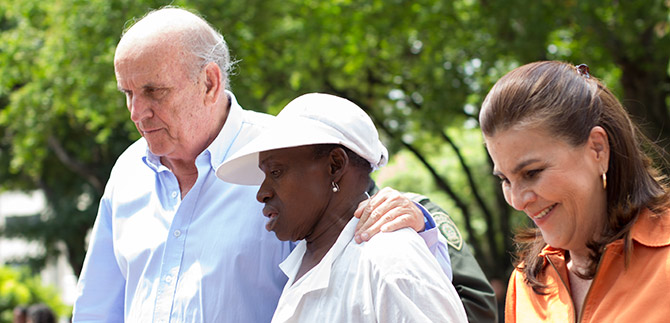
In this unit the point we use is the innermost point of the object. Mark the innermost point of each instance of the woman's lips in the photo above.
(544, 212)
(271, 213)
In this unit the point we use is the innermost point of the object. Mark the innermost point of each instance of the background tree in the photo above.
(19, 288)
(420, 68)
(62, 122)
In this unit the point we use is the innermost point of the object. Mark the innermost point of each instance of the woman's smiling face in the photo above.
(557, 185)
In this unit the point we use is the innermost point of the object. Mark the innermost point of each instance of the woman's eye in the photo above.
(503, 181)
(275, 173)
(533, 172)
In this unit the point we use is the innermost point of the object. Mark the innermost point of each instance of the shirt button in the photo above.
(174, 194)
(177, 233)
(168, 279)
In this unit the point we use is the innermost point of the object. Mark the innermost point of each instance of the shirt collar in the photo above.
(153, 161)
(556, 255)
(549, 250)
(219, 148)
(651, 229)
(319, 276)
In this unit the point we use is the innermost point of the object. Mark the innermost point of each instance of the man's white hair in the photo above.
(198, 37)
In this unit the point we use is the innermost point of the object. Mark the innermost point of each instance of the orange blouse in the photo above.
(638, 293)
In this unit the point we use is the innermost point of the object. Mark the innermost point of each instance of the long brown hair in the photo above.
(569, 103)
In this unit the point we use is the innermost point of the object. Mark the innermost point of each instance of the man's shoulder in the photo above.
(135, 151)
(130, 158)
(256, 118)
(253, 123)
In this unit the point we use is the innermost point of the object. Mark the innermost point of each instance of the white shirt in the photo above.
(391, 278)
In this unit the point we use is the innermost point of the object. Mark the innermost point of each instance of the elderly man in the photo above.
(171, 242)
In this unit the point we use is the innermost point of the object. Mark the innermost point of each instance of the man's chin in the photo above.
(158, 149)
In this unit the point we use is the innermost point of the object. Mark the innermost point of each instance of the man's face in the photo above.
(296, 191)
(165, 102)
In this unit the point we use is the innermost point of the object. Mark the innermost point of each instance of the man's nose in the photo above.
(139, 108)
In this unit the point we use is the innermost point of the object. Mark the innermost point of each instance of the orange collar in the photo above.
(651, 229)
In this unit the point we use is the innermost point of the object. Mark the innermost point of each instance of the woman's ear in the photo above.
(338, 161)
(598, 143)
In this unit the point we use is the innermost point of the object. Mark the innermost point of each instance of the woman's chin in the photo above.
(552, 240)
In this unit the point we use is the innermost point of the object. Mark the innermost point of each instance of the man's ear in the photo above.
(598, 143)
(338, 161)
(213, 83)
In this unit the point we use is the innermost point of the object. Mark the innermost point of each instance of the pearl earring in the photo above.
(335, 187)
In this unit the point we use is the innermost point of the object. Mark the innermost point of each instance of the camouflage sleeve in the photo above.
(471, 284)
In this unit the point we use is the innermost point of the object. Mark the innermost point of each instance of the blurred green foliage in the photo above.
(18, 287)
(419, 68)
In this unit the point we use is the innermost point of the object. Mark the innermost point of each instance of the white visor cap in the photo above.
(309, 119)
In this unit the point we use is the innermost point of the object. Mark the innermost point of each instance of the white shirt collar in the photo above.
(220, 147)
(319, 276)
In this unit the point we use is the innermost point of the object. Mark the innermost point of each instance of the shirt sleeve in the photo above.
(100, 290)
(437, 245)
(428, 222)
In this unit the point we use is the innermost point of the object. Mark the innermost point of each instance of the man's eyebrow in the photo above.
(155, 86)
(146, 86)
(518, 167)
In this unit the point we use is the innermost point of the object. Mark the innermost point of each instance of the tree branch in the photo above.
(74, 165)
(490, 234)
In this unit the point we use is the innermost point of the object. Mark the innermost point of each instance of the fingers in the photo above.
(404, 220)
(377, 216)
(388, 210)
(369, 210)
(362, 212)
(367, 217)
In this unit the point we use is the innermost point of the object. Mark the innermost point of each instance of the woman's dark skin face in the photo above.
(296, 191)
(299, 199)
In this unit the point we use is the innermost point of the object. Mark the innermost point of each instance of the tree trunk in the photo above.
(645, 93)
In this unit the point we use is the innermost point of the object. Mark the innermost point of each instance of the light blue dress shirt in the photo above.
(154, 257)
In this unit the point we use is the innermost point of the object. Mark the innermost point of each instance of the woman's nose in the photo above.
(519, 197)
(264, 193)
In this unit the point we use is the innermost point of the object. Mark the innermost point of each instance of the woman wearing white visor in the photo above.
(313, 165)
